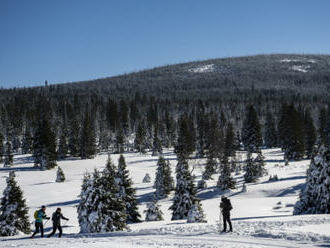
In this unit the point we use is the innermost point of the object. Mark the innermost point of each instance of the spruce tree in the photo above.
(2, 149)
(225, 180)
(210, 168)
(87, 138)
(314, 197)
(146, 178)
(310, 134)
(120, 141)
(270, 131)
(13, 210)
(164, 183)
(196, 214)
(185, 191)
(27, 142)
(140, 138)
(8, 155)
(44, 145)
(60, 177)
(251, 132)
(229, 141)
(127, 192)
(186, 137)
(153, 212)
(255, 168)
(63, 147)
(73, 143)
(322, 123)
(100, 208)
(156, 145)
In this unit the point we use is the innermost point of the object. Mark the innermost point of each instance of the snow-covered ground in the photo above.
(262, 216)
(202, 68)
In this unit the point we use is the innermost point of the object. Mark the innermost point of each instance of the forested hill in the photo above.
(287, 96)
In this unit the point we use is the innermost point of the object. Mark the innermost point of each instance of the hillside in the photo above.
(262, 216)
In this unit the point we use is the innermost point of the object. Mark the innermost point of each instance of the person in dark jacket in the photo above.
(39, 216)
(56, 218)
(226, 207)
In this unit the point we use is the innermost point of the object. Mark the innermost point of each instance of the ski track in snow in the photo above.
(262, 216)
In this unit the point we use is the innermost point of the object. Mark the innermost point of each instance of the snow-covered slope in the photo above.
(262, 216)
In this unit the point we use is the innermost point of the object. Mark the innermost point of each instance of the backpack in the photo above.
(36, 214)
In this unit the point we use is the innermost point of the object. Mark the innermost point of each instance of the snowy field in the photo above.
(262, 216)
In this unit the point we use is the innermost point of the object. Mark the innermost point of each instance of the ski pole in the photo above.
(46, 223)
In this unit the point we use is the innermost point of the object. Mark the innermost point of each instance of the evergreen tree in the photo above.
(185, 191)
(163, 181)
(44, 146)
(27, 142)
(63, 148)
(156, 145)
(186, 137)
(146, 178)
(120, 141)
(225, 180)
(8, 155)
(314, 198)
(322, 132)
(255, 168)
(140, 138)
(2, 150)
(229, 141)
(153, 212)
(101, 209)
(74, 130)
(251, 132)
(270, 131)
(310, 134)
(127, 192)
(215, 140)
(13, 210)
(210, 168)
(87, 138)
(196, 214)
(60, 175)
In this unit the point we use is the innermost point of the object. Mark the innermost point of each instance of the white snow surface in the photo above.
(301, 68)
(203, 68)
(261, 216)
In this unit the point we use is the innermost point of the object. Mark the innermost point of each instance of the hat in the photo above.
(58, 209)
(43, 206)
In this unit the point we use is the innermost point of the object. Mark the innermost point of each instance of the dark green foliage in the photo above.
(27, 142)
(164, 183)
(8, 160)
(87, 138)
(185, 191)
(225, 180)
(255, 168)
(74, 146)
(270, 139)
(156, 144)
(310, 134)
(127, 192)
(120, 141)
(210, 168)
(2, 150)
(291, 133)
(140, 143)
(13, 210)
(229, 141)
(251, 132)
(63, 147)
(186, 137)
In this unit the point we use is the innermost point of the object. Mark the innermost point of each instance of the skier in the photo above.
(56, 218)
(226, 207)
(39, 215)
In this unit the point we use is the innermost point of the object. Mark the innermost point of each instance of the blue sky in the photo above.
(71, 40)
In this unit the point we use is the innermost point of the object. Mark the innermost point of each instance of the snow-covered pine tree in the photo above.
(186, 137)
(8, 155)
(251, 132)
(153, 212)
(156, 144)
(13, 210)
(164, 183)
(210, 168)
(120, 141)
(225, 180)
(100, 209)
(147, 178)
(229, 149)
(196, 214)
(244, 188)
(1, 147)
(74, 130)
(310, 134)
(201, 184)
(260, 165)
(315, 197)
(185, 191)
(60, 175)
(87, 137)
(127, 192)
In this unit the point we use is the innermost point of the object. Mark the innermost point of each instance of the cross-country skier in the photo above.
(56, 218)
(39, 216)
(226, 207)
